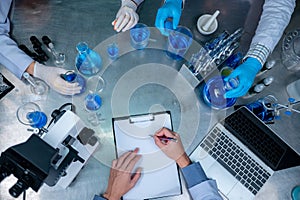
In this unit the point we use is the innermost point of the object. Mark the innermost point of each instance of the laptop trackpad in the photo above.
(225, 180)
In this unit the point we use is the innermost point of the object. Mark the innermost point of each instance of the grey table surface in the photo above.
(137, 82)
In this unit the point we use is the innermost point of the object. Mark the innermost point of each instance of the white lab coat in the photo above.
(275, 17)
(14, 59)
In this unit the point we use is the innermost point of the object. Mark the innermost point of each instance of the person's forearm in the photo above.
(183, 161)
(273, 21)
(30, 68)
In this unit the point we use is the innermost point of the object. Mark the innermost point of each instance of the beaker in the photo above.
(214, 91)
(291, 50)
(88, 62)
(179, 41)
(139, 36)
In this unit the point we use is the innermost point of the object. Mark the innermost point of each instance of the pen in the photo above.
(162, 138)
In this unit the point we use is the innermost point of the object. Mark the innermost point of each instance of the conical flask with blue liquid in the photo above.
(88, 62)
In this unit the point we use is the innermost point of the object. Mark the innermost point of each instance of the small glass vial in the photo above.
(88, 62)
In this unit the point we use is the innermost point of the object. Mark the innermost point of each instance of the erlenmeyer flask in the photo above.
(88, 62)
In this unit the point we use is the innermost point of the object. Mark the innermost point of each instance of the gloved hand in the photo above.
(171, 9)
(51, 75)
(245, 73)
(126, 17)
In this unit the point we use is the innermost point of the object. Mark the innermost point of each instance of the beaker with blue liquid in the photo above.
(139, 36)
(88, 62)
(214, 91)
(179, 41)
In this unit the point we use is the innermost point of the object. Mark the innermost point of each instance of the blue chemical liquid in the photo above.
(296, 193)
(139, 36)
(213, 94)
(37, 119)
(88, 62)
(93, 102)
(113, 51)
(266, 115)
(178, 43)
(81, 82)
(73, 77)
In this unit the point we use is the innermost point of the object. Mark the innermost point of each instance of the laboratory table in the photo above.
(139, 81)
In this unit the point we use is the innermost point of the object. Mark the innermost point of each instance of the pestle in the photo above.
(209, 22)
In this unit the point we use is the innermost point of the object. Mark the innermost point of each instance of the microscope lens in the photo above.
(18, 188)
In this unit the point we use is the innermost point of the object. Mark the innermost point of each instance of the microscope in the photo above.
(54, 157)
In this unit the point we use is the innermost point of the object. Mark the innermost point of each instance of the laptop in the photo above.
(241, 153)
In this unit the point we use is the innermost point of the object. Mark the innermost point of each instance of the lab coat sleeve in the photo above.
(275, 17)
(199, 186)
(14, 59)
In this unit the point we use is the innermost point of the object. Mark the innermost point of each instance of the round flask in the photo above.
(30, 114)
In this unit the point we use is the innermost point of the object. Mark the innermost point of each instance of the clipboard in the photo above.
(160, 174)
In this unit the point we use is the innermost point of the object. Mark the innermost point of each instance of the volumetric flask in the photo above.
(179, 41)
(139, 36)
(93, 100)
(214, 90)
(30, 114)
(291, 50)
(88, 62)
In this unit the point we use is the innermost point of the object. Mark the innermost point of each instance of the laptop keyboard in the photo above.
(254, 135)
(233, 158)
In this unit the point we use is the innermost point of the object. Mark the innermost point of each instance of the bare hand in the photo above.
(121, 178)
(173, 150)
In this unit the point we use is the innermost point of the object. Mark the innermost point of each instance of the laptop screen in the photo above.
(260, 139)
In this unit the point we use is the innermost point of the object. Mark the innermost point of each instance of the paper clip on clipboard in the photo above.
(141, 118)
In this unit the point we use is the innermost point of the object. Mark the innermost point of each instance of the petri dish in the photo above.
(213, 93)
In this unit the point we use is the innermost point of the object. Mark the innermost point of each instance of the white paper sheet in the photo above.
(160, 175)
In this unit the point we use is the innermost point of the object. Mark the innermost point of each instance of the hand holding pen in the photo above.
(165, 139)
(170, 143)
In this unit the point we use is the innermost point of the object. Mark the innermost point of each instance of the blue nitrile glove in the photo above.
(245, 73)
(171, 9)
